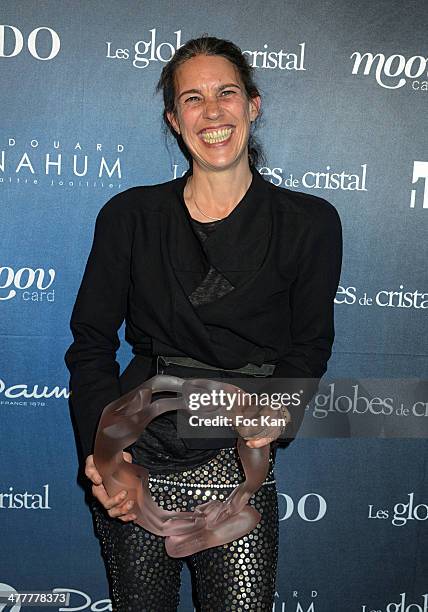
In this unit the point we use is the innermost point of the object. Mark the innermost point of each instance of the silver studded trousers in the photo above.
(237, 576)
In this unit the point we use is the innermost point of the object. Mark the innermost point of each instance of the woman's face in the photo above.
(213, 114)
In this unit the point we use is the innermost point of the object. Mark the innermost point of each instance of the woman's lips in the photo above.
(216, 136)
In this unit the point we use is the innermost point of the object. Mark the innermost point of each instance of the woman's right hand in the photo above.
(117, 506)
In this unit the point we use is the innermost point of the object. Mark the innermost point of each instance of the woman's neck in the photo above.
(216, 193)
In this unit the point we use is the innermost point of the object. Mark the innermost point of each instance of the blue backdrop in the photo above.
(345, 91)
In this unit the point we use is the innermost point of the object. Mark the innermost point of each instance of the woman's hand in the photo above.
(259, 442)
(116, 506)
(264, 423)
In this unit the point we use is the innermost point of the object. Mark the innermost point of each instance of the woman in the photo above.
(217, 274)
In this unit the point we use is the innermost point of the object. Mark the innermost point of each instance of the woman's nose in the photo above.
(212, 108)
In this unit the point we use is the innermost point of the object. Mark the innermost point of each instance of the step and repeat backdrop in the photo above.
(345, 98)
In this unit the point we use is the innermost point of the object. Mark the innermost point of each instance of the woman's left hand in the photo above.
(259, 443)
(254, 433)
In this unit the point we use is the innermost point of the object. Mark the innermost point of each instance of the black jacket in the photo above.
(282, 250)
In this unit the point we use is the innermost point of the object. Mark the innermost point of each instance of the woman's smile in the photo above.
(216, 136)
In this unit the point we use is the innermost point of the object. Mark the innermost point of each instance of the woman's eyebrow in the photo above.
(198, 91)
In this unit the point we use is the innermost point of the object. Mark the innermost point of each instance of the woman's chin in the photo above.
(215, 160)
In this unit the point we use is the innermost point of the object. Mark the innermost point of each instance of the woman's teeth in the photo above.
(216, 135)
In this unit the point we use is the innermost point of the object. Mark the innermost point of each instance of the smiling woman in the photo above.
(213, 116)
(218, 274)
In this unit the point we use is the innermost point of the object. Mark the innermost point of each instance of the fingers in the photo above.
(117, 506)
(259, 443)
(123, 511)
(127, 456)
(91, 471)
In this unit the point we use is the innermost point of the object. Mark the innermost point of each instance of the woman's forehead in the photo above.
(206, 70)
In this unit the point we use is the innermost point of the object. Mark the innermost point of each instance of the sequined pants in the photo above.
(237, 576)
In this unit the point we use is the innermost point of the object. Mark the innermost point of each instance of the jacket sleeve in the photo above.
(98, 313)
(312, 312)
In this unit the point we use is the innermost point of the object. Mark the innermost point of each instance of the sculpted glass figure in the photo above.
(212, 523)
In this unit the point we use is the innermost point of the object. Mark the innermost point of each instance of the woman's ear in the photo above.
(255, 104)
(173, 121)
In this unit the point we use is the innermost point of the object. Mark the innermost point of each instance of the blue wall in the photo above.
(79, 123)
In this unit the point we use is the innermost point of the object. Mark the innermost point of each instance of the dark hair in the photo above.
(208, 45)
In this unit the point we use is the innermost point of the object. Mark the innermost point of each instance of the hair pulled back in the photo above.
(208, 45)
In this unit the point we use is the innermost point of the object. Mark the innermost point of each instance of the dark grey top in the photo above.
(214, 285)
